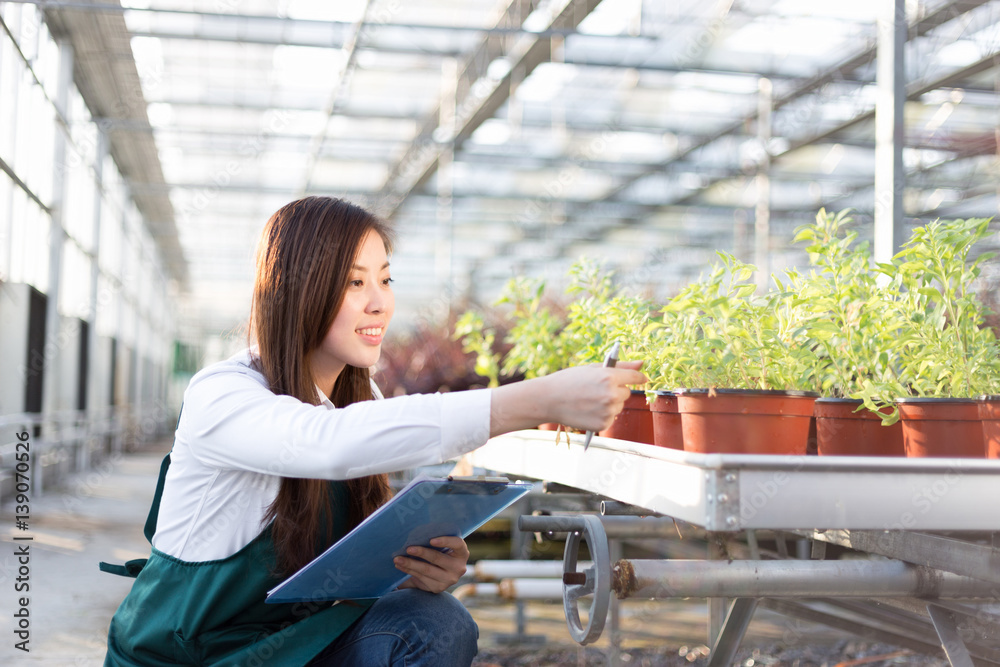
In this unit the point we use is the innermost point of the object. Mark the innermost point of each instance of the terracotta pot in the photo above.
(942, 427)
(667, 430)
(634, 422)
(842, 430)
(989, 412)
(745, 421)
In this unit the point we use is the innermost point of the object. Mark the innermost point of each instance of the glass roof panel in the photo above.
(636, 133)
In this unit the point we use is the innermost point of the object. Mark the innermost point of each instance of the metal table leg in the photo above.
(951, 640)
(732, 631)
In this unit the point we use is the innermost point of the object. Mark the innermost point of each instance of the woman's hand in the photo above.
(583, 397)
(442, 569)
(589, 397)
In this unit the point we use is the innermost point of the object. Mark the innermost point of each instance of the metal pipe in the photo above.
(494, 570)
(466, 591)
(530, 589)
(512, 589)
(616, 508)
(556, 526)
(792, 578)
(628, 526)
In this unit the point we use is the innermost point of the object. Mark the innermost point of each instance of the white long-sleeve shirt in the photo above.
(236, 440)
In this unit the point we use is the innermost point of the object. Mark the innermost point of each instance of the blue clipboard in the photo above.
(360, 564)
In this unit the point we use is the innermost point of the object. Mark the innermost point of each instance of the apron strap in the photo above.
(149, 529)
(133, 567)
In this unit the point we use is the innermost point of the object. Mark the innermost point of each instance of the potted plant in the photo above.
(989, 413)
(667, 345)
(946, 356)
(753, 364)
(541, 341)
(848, 323)
(599, 315)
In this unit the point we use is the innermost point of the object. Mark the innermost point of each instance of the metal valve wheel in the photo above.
(595, 580)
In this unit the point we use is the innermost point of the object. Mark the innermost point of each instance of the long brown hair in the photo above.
(303, 267)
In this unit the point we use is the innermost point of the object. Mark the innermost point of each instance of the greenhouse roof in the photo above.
(513, 137)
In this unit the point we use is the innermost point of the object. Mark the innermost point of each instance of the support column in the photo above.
(139, 343)
(762, 222)
(95, 403)
(614, 611)
(444, 248)
(120, 404)
(727, 642)
(948, 631)
(889, 135)
(57, 232)
(10, 99)
(718, 608)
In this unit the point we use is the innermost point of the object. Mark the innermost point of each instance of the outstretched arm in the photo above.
(583, 397)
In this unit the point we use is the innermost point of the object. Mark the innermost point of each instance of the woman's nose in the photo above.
(376, 300)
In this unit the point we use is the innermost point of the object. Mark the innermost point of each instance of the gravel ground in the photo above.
(839, 654)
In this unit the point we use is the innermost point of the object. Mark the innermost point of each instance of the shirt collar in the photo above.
(323, 398)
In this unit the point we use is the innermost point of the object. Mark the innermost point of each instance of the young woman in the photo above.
(281, 450)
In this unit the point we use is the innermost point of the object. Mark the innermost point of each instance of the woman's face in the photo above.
(355, 337)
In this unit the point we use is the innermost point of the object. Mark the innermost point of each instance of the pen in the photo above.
(610, 359)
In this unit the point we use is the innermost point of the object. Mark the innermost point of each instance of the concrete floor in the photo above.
(99, 516)
(95, 516)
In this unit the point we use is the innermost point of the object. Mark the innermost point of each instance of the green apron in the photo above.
(213, 612)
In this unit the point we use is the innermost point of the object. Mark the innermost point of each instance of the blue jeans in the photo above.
(406, 628)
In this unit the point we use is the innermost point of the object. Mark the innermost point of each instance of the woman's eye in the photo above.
(357, 283)
(388, 281)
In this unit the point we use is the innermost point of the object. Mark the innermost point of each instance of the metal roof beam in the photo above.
(257, 188)
(984, 149)
(343, 79)
(568, 59)
(473, 107)
(108, 81)
(835, 73)
(914, 92)
(286, 21)
(282, 41)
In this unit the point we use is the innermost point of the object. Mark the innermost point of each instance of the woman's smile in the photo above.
(372, 335)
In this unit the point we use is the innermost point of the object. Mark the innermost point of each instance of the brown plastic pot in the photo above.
(745, 421)
(843, 430)
(667, 431)
(942, 427)
(989, 412)
(634, 422)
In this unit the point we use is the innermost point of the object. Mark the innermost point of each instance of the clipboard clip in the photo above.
(478, 478)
